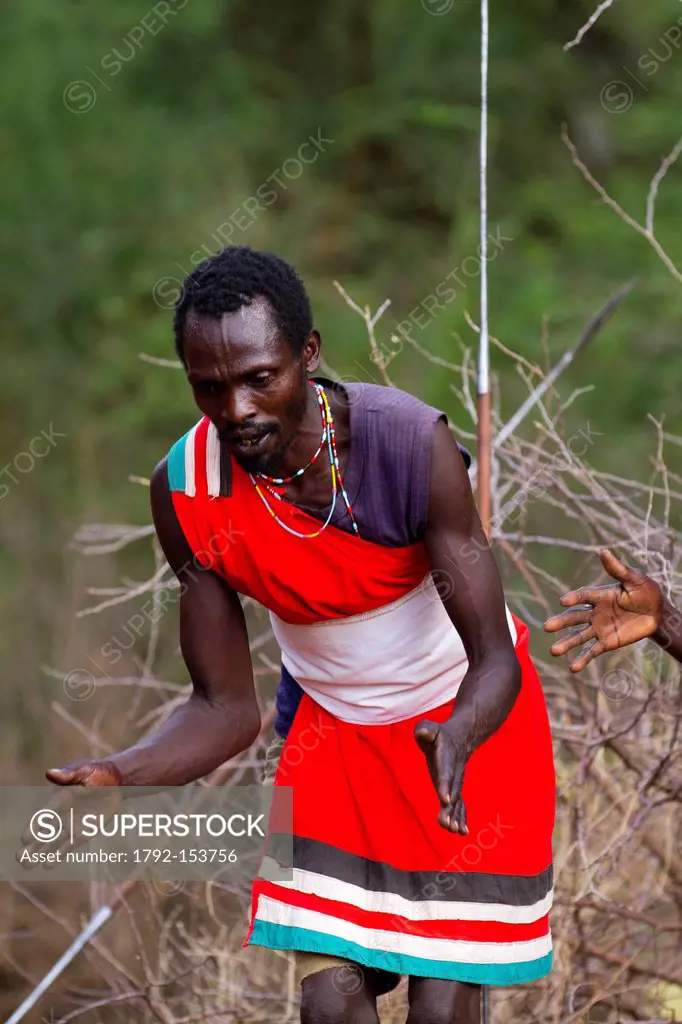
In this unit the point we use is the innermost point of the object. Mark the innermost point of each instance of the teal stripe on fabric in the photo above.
(279, 936)
(176, 465)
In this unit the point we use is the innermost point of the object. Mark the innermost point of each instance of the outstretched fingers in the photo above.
(575, 639)
(574, 617)
(614, 566)
(588, 595)
(588, 654)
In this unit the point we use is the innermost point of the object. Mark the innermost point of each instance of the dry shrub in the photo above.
(177, 958)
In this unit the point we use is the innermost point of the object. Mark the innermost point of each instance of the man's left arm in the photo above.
(459, 554)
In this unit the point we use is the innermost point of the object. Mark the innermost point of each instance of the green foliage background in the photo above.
(97, 206)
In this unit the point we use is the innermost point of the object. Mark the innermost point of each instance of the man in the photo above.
(346, 510)
(615, 616)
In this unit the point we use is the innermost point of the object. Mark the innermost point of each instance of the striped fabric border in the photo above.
(181, 475)
(312, 857)
(190, 461)
(278, 937)
(212, 461)
(454, 929)
(181, 464)
(274, 912)
(447, 908)
(176, 464)
(280, 926)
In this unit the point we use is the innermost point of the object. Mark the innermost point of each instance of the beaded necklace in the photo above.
(287, 479)
(328, 436)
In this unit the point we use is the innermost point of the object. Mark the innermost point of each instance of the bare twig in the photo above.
(603, 6)
(645, 230)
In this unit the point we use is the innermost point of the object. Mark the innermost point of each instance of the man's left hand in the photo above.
(447, 750)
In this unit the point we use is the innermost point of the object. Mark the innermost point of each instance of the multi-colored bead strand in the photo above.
(336, 467)
(287, 479)
(328, 436)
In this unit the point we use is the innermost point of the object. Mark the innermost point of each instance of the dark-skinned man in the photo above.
(611, 616)
(417, 739)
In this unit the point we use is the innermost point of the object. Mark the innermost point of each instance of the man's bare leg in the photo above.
(344, 995)
(435, 1001)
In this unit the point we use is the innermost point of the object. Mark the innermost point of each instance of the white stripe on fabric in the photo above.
(382, 666)
(445, 950)
(315, 884)
(213, 461)
(190, 472)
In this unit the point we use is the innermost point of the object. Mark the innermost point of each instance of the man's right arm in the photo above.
(221, 717)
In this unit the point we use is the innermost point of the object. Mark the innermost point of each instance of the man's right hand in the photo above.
(221, 718)
(612, 616)
(86, 773)
(74, 782)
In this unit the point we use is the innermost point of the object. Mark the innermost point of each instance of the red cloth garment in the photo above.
(376, 879)
(365, 634)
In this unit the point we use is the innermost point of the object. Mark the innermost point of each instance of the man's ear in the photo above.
(311, 352)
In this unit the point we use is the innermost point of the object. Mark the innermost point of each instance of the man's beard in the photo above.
(270, 464)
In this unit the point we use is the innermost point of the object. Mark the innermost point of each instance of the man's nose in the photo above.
(238, 407)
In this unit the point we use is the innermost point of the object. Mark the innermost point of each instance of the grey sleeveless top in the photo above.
(387, 482)
(387, 474)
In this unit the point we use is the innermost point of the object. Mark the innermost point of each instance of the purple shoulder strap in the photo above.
(397, 432)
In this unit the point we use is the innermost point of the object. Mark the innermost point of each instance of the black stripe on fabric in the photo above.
(375, 876)
(225, 472)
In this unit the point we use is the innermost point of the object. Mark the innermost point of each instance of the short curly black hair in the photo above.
(232, 278)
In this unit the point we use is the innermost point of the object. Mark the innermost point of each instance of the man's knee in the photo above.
(435, 1001)
(337, 995)
(427, 1011)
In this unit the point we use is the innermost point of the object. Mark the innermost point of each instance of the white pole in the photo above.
(483, 357)
(93, 926)
(484, 416)
(484, 430)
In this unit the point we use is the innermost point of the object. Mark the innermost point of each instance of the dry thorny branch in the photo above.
(617, 920)
(646, 230)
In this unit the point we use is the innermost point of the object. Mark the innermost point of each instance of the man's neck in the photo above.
(307, 440)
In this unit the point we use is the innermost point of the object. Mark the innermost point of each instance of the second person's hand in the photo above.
(612, 616)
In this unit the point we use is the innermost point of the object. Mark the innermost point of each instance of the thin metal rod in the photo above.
(484, 461)
(104, 914)
(484, 415)
(589, 333)
(484, 420)
(79, 943)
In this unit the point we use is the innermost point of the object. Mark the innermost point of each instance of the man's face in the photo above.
(247, 380)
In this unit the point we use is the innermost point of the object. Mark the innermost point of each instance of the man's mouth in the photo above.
(248, 443)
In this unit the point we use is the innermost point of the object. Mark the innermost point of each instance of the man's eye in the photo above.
(209, 388)
(261, 380)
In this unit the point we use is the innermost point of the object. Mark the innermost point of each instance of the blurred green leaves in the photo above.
(98, 204)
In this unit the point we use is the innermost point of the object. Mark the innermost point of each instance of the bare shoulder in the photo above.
(161, 498)
(168, 529)
(451, 500)
(448, 467)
